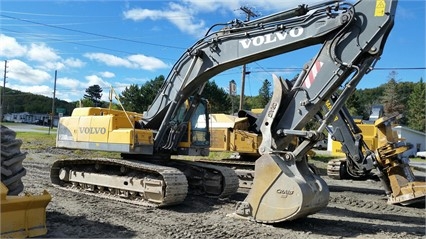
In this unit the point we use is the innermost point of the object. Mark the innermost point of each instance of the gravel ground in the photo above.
(357, 209)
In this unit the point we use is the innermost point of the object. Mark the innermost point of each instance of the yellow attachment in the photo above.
(23, 216)
(401, 178)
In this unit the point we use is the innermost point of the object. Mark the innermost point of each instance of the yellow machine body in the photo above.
(105, 129)
(370, 135)
(23, 216)
(230, 133)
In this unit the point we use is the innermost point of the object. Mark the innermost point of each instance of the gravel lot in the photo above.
(357, 209)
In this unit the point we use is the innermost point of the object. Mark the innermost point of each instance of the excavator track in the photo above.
(243, 169)
(204, 178)
(123, 180)
(336, 169)
(217, 181)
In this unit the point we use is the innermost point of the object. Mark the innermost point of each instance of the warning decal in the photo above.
(312, 74)
(380, 8)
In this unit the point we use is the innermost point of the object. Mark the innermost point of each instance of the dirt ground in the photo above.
(357, 209)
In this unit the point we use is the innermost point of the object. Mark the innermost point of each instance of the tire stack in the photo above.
(12, 170)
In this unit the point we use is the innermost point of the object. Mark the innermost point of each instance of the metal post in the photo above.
(249, 13)
(232, 92)
(3, 91)
(243, 83)
(52, 115)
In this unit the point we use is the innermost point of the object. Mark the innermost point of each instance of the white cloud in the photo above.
(68, 83)
(73, 62)
(107, 74)
(179, 15)
(96, 80)
(34, 89)
(20, 71)
(139, 14)
(42, 53)
(9, 47)
(147, 62)
(45, 56)
(52, 65)
(186, 15)
(108, 59)
(138, 61)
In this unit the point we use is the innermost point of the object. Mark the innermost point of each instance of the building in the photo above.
(414, 137)
(30, 118)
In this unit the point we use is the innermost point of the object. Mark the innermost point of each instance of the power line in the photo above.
(93, 34)
(86, 45)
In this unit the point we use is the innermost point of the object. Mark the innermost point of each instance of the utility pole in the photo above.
(249, 14)
(3, 91)
(52, 115)
(232, 92)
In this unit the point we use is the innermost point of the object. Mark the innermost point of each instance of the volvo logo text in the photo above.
(271, 37)
(92, 130)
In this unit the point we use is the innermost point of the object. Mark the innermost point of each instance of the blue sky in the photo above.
(118, 43)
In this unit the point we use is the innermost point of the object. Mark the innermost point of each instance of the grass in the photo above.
(42, 141)
(34, 140)
(417, 160)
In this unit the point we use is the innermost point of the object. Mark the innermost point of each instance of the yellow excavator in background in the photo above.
(352, 36)
(21, 215)
(380, 149)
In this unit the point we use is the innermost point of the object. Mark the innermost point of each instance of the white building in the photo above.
(28, 118)
(414, 137)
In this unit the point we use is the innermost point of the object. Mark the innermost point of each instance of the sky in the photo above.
(119, 43)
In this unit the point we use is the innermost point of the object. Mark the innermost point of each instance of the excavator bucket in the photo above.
(282, 191)
(23, 216)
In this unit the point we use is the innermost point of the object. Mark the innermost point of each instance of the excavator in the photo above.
(385, 156)
(351, 37)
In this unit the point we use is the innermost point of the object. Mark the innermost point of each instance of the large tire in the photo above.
(12, 170)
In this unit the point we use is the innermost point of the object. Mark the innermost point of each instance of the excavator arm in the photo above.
(237, 44)
(352, 38)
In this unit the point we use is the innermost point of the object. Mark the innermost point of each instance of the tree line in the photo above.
(407, 98)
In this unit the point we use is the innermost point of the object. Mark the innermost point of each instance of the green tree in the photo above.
(391, 100)
(354, 105)
(219, 100)
(265, 93)
(85, 103)
(148, 92)
(94, 93)
(132, 99)
(416, 108)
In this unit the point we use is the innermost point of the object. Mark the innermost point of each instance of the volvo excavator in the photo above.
(351, 36)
